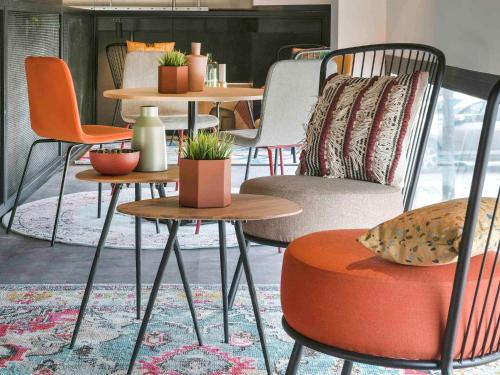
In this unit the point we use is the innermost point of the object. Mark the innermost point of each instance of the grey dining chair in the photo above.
(290, 93)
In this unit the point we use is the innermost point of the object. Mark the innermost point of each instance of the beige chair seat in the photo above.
(179, 122)
(327, 204)
(244, 137)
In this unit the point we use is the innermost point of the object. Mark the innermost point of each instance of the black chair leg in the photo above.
(157, 222)
(294, 155)
(115, 113)
(19, 191)
(236, 279)
(293, 363)
(256, 153)
(138, 246)
(154, 293)
(253, 294)
(61, 193)
(347, 368)
(99, 200)
(249, 163)
(100, 245)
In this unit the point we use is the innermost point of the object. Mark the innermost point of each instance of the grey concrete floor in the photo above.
(26, 260)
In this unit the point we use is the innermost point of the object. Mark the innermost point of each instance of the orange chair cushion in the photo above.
(337, 292)
(94, 134)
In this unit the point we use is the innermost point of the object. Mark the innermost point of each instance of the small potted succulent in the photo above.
(173, 73)
(205, 171)
(114, 162)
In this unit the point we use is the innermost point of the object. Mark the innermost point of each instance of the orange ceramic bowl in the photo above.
(114, 164)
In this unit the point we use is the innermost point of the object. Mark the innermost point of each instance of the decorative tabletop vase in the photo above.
(205, 183)
(149, 139)
(173, 79)
(197, 68)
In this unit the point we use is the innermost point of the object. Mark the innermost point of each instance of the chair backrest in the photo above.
(395, 59)
(480, 344)
(287, 52)
(290, 94)
(141, 70)
(52, 99)
(116, 53)
(311, 53)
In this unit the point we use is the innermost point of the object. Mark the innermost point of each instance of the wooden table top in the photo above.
(242, 207)
(209, 94)
(170, 175)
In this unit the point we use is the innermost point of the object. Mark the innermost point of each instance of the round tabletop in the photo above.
(170, 175)
(242, 207)
(209, 94)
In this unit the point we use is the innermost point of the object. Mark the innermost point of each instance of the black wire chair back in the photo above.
(116, 53)
(395, 59)
(481, 340)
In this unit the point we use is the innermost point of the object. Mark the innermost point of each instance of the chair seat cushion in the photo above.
(336, 292)
(94, 134)
(179, 122)
(327, 203)
(244, 137)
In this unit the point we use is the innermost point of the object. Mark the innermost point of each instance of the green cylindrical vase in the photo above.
(149, 138)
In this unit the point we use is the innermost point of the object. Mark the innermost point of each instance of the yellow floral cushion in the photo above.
(149, 47)
(431, 235)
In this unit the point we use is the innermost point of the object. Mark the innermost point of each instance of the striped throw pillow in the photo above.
(360, 126)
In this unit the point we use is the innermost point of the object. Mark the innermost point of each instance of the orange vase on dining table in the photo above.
(197, 68)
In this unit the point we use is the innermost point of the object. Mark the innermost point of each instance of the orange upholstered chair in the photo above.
(340, 299)
(54, 116)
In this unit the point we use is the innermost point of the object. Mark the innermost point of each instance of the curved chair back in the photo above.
(141, 70)
(288, 51)
(290, 94)
(116, 53)
(52, 99)
(396, 59)
(484, 309)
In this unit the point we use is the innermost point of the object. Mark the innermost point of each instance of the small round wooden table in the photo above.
(231, 93)
(244, 207)
(136, 178)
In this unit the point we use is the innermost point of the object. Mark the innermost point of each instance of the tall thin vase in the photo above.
(197, 67)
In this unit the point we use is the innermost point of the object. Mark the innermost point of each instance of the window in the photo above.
(451, 150)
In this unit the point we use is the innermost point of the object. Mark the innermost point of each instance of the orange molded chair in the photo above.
(54, 117)
(340, 299)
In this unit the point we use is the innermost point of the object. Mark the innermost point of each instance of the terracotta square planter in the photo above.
(172, 79)
(205, 183)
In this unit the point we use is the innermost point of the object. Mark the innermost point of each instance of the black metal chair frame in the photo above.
(61, 190)
(482, 352)
(116, 53)
(393, 58)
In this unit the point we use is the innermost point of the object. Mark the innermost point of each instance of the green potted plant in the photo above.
(205, 171)
(173, 73)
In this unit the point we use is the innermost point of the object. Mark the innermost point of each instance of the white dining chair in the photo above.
(141, 70)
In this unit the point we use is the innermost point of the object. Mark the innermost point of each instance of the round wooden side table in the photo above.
(244, 207)
(136, 178)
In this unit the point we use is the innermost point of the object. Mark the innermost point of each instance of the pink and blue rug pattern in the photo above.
(36, 324)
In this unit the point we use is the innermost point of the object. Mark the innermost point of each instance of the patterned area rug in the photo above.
(79, 225)
(36, 323)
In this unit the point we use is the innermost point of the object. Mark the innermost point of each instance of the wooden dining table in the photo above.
(231, 93)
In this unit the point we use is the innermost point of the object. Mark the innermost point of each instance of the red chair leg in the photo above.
(198, 226)
(282, 166)
(270, 156)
